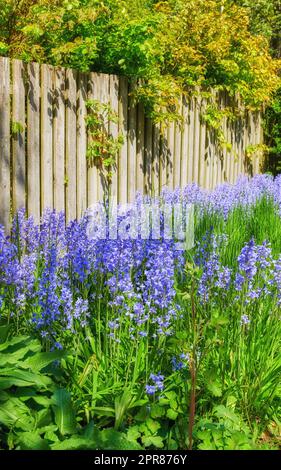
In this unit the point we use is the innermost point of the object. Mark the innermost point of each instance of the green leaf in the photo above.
(50, 434)
(172, 414)
(43, 418)
(226, 413)
(4, 332)
(152, 425)
(19, 342)
(43, 400)
(12, 358)
(154, 441)
(89, 431)
(14, 413)
(214, 388)
(64, 413)
(112, 439)
(104, 411)
(74, 443)
(22, 378)
(122, 404)
(157, 411)
(32, 441)
(133, 433)
(41, 360)
(4, 396)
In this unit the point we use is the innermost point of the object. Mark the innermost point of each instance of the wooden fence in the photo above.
(43, 142)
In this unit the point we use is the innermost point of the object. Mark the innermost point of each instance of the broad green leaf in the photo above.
(122, 404)
(15, 358)
(16, 340)
(4, 396)
(20, 342)
(4, 332)
(74, 443)
(50, 434)
(32, 441)
(42, 400)
(39, 361)
(14, 413)
(22, 378)
(104, 411)
(64, 413)
(43, 418)
(89, 431)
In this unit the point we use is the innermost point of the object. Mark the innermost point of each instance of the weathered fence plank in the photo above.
(177, 153)
(46, 137)
(18, 135)
(184, 146)
(156, 142)
(171, 156)
(123, 129)
(81, 145)
(33, 140)
(59, 138)
(5, 157)
(113, 131)
(196, 140)
(165, 153)
(202, 148)
(132, 146)
(190, 139)
(70, 142)
(93, 174)
(140, 148)
(148, 148)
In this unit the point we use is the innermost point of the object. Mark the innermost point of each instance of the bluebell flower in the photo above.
(150, 389)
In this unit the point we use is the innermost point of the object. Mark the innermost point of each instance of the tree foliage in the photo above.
(169, 46)
(265, 18)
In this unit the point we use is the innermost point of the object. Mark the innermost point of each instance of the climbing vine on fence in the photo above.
(102, 148)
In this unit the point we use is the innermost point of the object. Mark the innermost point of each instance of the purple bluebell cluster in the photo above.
(258, 276)
(157, 384)
(181, 362)
(225, 197)
(55, 277)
